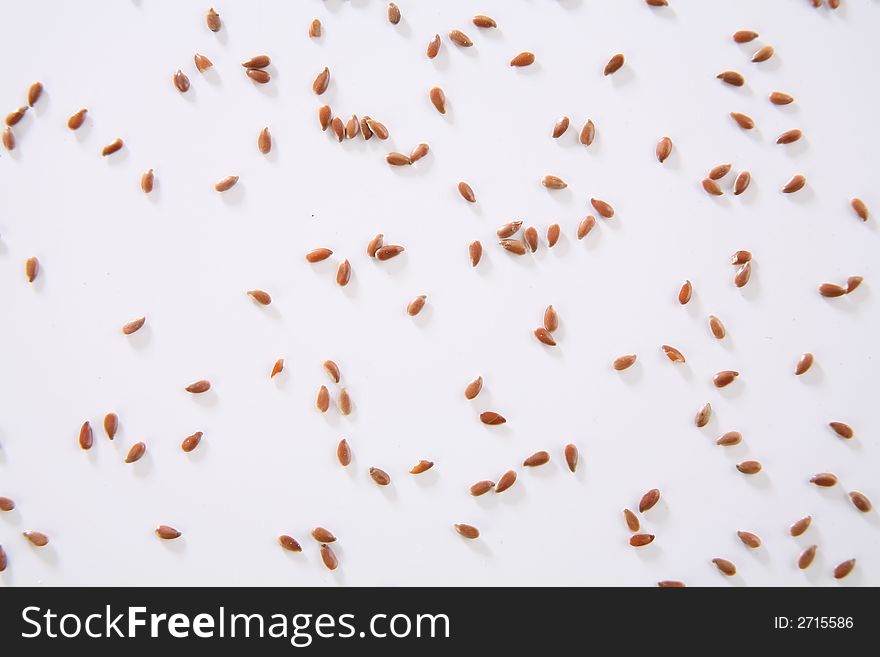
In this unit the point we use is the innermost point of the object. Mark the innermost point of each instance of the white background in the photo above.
(185, 255)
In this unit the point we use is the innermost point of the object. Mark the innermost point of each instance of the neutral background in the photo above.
(184, 257)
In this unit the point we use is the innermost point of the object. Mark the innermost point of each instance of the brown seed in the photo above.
(380, 476)
(749, 467)
(378, 128)
(795, 184)
(743, 274)
(725, 566)
(343, 273)
(14, 117)
(264, 141)
(843, 569)
(191, 442)
(344, 402)
(641, 540)
(199, 387)
(484, 21)
(393, 13)
(77, 119)
(860, 501)
(315, 29)
(202, 62)
(585, 226)
(729, 439)
(374, 245)
(798, 527)
(560, 127)
(38, 539)
(553, 182)
(86, 437)
(289, 543)
(482, 487)
(319, 254)
(831, 290)
(167, 533)
(649, 500)
(468, 531)
(415, 306)
(277, 368)
(632, 520)
(807, 557)
(466, 192)
(763, 54)
(3, 560)
(513, 246)
(789, 136)
(624, 362)
(459, 38)
(136, 452)
(571, 456)
(509, 229)
(724, 378)
(842, 429)
(419, 152)
(213, 20)
(31, 268)
(716, 327)
(744, 36)
(491, 418)
(111, 425)
(804, 363)
(749, 539)
(663, 148)
(34, 93)
(553, 232)
(8, 139)
(780, 98)
(389, 251)
(433, 47)
(181, 81)
(323, 535)
(257, 61)
(329, 557)
(743, 120)
(338, 128)
(537, 459)
(322, 401)
(740, 257)
(322, 81)
(396, 159)
(147, 181)
(352, 127)
(258, 75)
(343, 453)
(685, 292)
(671, 584)
(6, 504)
(704, 414)
(657, 3)
(422, 466)
(112, 147)
(475, 250)
(473, 388)
(731, 77)
(544, 336)
(324, 116)
(712, 187)
(506, 481)
(523, 59)
(718, 172)
(551, 319)
(588, 133)
(741, 183)
(852, 283)
(260, 297)
(530, 237)
(859, 207)
(365, 128)
(824, 479)
(225, 184)
(602, 207)
(614, 64)
(673, 354)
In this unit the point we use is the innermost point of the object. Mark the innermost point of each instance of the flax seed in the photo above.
(624, 362)
(365, 128)
(481, 488)
(468, 531)
(729, 439)
(795, 184)
(319, 254)
(77, 119)
(780, 98)
(136, 452)
(475, 250)
(843, 569)
(744, 36)
(740, 257)
(585, 226)
(842, 429)
(323, 535)
(325, 114)
(113, 147)
(191, 442)
(553, 182)
(852, 283)
(632, 520)
(419, 152)
(657, 3)
(343, 453)
(743, 274)
(415, 306)
(743, 120)
(264, 141)
(704, 414)
(641, 540)
(322, 81)
(202, 62)
(438, 99)
(3, 559)
(257, 61)
(805, 362)
(315, 29)
(6, 504)
(393, 13)
(602, 207)
(824, 479)
(732, 78)
(473, 388)
(380, 476)
(649, 500)
(433, 47)
(198, 387)
(800, 526)
(724, 378)
(329, 557)
(560, 127)
(537, 459)
(258, 75)
(671, 584)
(530, 237)
(289, 543)
(375, 244)
(492, 418)
(505, 481)
(147, 180)
(749, 539)
(544, 336)
(551, 319)
(614, 64)
(719, 171)
(571, 456)
(344, 402)
(673, 354)
(343, 273)
(213, 20)
(261, 297)
(711, 187)
(588, 133)
(484, 21)
(398, 159)
(39, 539)
(34, 93)
(523, 59)
(807, 557)
(459, 38)
(831, 290)
(749, 467)
(277, 368)
(553, 232)
(86, 437)
(685, 292)
(789, 137)
(466, 192)
(322, 401)
(509, 229)
(111, 425)
(225, 184)
(763, 54)
(389, 251)
(663, 149)
(717, 328)
(181, 81)
(421, 466)
(378, 128)
(860, 501)
(513, 246)
(14, 117)
(859, 207)
(167, 533)
(726, 567)
(741, 183)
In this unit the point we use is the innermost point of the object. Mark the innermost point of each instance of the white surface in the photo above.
(185, 256)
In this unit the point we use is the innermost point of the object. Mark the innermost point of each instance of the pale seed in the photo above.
(602, 207)
(225, 184)
(475, 250)
(167, 533)
(663, 148)
(393, 13)
(795, 184)
(860, 501)
(649, 500)
(537, 459)
(807, 557)
(277, 368)
(798, 527)
(712, 187)
(749, 539)
(258, 75)
(623, 362)
(86, 437)
(343, 453)
(859, 207)
(147, 181)
(704, 414)
(181, 81)
(460, 38)
(332, 370)
(468, 531)
(571, 456)
(523, 59)
(544, 336)
(724, 378)
(433, 47)
(213, 20)
(743, 274)
(588, 133)
(743, 120)
(789, 137)
(685, 292)
(135, 453)
(491, 418)
(729, 439)
(199, 387)
(329, 558)
(632, 520)
(380, 476)
(77, 119)
(585, 226)
(323, 535)
(422, 466)
(322, 401)
(749, 467)
(560, 127)
(718, 172)
(841, 570)
(261, 297)
(191, 442)
(763, 54)
(731, 77)
(824, 479)
(39, 539)
(744, 36)
(482, 487)
(614, 64)
(112, 147)
(725, 566)
(111, 425)
(319, 254)
(473, 388)
(289, 543)
(389, 251)
(322, 81)
(673, 354)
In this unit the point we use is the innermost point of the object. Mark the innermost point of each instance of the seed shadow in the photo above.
(761, 481)
(189, 96)
(143, 467)
(650, 553)
(658, 514)
(40, 108)
(403, 28)
(674, 161)
(350, 289)
(563, 245)
(427, 479)
(752, 290)
(560, 195)
(234, 196)
(485, 266)
(140, 339)
(732, 391)
(47, 554)
(488, 501)
(424, 317)
(441, 61)
(477, 545)
(118, 158)
(631, 375)
(395, 265)
(83, 133)
(854, 579)
(813, 376)
(623, 77)
(805, 196)
(200, 453)
(529, 71)
(514, 495)
(207, 399)
(545, 471)
(270, 311)
(175, 545)
(771, 65)
(797, 149)
(389, 492)
(12, 517)
(212, 77)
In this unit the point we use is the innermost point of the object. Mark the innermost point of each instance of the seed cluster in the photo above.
(515, 239)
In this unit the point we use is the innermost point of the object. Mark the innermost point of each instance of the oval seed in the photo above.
(6, 504)
(614, 64)
(749, 539)
(537, 459)
(571, 456)
(8, 139)
(831, 290)
(744, 36)
(167, 533)
(136, 452)
(322, 81)
(632, 520)
(553, 232)
(264, 141)
(641, 540)
(319, 254)
(824, 479)
(257, 61)
(509, 229)
(741, 183)
(473, 388)
(623, 362)
(544, 336)
(393, 13)
(649, 500)
(38, 539)
(133, 326)
(763, 54)
(113, 147)
(438, 99)
(743, 274)
(859, 207)
(744, 121)
(34, 93)
(663, 149)
(475, 250)
(147, 181)
(398, 159)
(673, 354)
(798, 527)
(513, 246)
(685, 292)
(716, 327)
(459, 38)
(200, 386)
(852, 283)
(860, 501)
(418, 152)
(213, 20)
(329, 557)
(260, 297)
(484, 21)
(506, 481)
(719, 171)
(225, 184)
(843, 569)
(795, 184)
(323, 535)
(749, 467)
(671, 584)
(374, 245)
(467, 193)
(602, 207)
(481, 488)
(343, 453)
(14, 117)
(585, 226)
(422, 466)
(325, 114)
(711, 187)
(726, 567)
(289, 543)
(732, 78)
(277, 368)
(322, 401)
(805, 362)
(789, 137)
(523, 59)
(780, 98)
(551, 319)
(343, 273)
(842, 429)
(86, 437)
(530, 237)
(468, 531)
(111, 425)
(729, 439)
(77, 119)
(560, 127)
(415, 306)
(553, 182)
(202, 62)
(588, 133)
(380, 476)
(807, 557)
(378, 129)
(258, 75)
(704, 414)
(724, 378)
(181, 81)
(433, 47)
(389, 251)
(191, 442)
